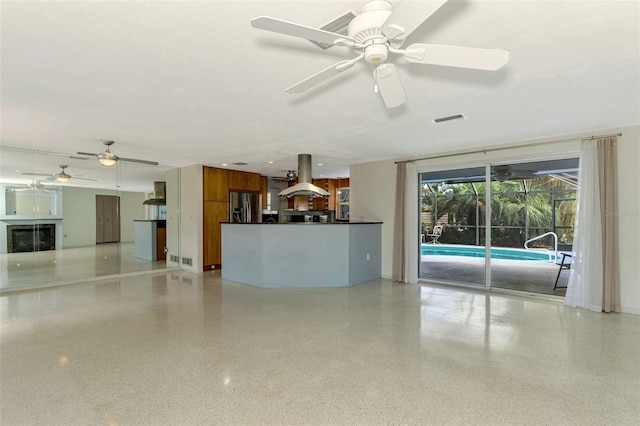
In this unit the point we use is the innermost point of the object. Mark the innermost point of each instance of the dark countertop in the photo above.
(303, 223)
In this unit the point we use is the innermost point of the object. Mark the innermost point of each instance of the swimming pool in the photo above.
(479, 251)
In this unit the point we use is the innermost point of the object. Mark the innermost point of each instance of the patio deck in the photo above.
(528, 276)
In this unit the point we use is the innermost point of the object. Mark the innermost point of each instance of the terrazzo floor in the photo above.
(23, 271)
(174, 348)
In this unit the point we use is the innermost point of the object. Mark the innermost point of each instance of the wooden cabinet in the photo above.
(216, 184)
(243, 181)
(264, 190)
(328, 185)
(214, 213)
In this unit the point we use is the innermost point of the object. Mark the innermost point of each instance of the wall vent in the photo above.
(449, 118)
(174, 258)
(187, 261)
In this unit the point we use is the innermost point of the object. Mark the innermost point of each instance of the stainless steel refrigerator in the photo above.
(245, 207)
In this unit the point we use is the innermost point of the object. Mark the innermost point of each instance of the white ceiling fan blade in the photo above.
(407, 16)
(129, 160)
(297, 30)
(36, 174)
(323, 75)
(457, 56)
(135, 160)
(58, 154)
(389, 85)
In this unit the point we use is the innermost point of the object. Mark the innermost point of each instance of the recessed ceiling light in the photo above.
(225, 164)
(270, 162)
(320, 164)
(448, 118)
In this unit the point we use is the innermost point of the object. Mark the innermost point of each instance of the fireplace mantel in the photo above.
(44, 220)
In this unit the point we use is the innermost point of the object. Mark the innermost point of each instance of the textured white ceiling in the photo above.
(193, 83)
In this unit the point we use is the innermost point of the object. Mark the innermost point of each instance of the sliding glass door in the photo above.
(452, 226)
(532, 210)
(532, 214)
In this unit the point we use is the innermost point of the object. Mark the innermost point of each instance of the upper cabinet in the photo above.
(216, 184)
(328, 185)
(244, 181)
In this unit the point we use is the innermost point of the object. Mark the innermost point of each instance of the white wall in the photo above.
(131, 208)
(173, 215)
(629, 217)
(378, 178)
(372, 197)
(79, 215)
(191, 206)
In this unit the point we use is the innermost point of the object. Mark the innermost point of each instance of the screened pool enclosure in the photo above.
(531, 212)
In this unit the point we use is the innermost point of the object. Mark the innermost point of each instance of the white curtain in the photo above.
(412, 227)
(594, 277)
(406, 233)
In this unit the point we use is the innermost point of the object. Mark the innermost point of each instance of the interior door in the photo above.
(99, 219)
(107, 219)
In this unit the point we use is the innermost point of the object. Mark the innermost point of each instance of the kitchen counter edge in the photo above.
(302, 223)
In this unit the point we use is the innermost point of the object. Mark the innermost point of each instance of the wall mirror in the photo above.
(66, 218)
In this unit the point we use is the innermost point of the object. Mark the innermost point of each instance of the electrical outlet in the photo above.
(368, 256)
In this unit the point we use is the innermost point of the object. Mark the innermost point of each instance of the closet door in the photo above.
(107, 219)
(99, 219)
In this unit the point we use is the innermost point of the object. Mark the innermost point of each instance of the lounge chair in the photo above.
(437, 232)
(565, 262)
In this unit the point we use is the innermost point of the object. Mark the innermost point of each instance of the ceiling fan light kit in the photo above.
(377, 30)
(107, 158)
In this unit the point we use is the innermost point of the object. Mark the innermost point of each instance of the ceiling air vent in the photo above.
(449, 118)
(240, 163)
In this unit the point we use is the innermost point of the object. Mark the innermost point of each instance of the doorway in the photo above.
(528, 220)
(452, 226)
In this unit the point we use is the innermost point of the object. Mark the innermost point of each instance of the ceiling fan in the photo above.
(62, 176)
(107, 158)
(289, 177)
(37, 186)
(380, 29)
(504, 173)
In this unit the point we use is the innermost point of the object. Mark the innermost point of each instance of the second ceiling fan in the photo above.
(380, 29)
(61, 176)
(107, 158)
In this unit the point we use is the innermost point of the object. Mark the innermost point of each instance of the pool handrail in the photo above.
(555, 244)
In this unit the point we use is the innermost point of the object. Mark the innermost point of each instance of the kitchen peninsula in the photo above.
(303, 254)
(150, 239)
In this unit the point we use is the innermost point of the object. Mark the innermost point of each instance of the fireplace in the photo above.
(28, 238)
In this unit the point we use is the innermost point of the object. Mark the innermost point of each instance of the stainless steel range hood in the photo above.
(158, 199)
(304, 186)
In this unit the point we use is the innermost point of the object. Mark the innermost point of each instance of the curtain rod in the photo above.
(484, 151)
